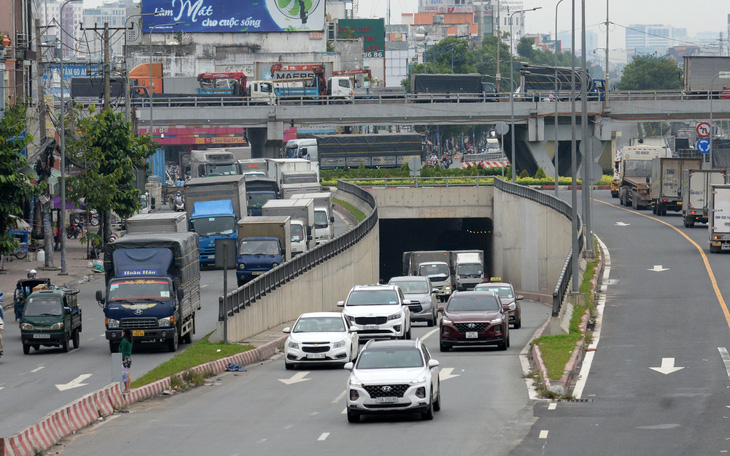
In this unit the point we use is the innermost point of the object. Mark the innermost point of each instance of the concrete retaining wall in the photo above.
(433, 202)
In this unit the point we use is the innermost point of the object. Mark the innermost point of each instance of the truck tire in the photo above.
(64, 343)
(715, 249)
(635, 204)
(173, 342)
(76, 338)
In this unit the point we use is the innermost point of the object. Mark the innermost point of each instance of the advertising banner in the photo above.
(372, 32)
(230, 16)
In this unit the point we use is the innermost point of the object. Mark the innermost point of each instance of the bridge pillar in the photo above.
(266, 142)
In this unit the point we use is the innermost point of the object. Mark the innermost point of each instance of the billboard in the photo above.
(372, 32)
(231, 16)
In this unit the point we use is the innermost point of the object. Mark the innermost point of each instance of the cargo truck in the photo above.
(276, 167)
(324, 218)
(537, 82)
(158, 222)
(212, 163)
(448, 87)
(152, 288)
(301, 212)
(51, 318)
(700, 74)
(382, 150)
(217, 188)
(259, 190)
(468, 268)
(718, 224)
(436, 265)
(696, 187)
(265, 244)
(252, 167)
(213, 220)
(294, 182)
(666, 182)
(635, 174)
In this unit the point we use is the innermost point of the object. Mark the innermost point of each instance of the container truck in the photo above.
(696, 187)
(158, 222)
(259, 190)
(324, 218)
(152, 288)
(301, 212)
(468, 268)
(700, 74)
(217, 188)
(213, 220)
(298, 182)
(436, 265)
(448, 87)
(635, 173)
(382, 150)
(538, 83)
(666, 182)
(718, 224)
(265, 244)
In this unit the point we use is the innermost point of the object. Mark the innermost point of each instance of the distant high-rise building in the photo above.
(642, 39)
(64, 32)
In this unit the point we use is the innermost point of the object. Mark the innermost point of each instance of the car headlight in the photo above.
(164, 321)
(497, 321)
(447, 288)
(419, 380)
(355, 382)
(57, 326)
(339, 344)
(242, 266)
(395, 316)
(292, 344)
(446, 321)
(27, 326)
(112, 323)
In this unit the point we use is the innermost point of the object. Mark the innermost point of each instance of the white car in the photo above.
(378, 312)
(320, 337)
(395, 376)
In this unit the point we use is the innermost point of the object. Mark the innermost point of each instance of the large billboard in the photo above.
(372, 32)
(231, 16)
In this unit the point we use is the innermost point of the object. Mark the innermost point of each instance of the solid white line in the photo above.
(339, 397)
(725, 359)
(323, 436)
(552, 406)
(344, 410)
(526, 369)
(430, 333)
(543, 434)
(91, 338)
(38, 368)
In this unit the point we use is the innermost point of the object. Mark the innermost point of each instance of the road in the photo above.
(651, 314)
(29, 383)
(485, 401)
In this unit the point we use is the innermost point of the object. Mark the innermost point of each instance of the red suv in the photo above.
(474, 318)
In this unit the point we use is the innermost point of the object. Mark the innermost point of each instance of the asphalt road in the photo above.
(670, 313)
(28, 383)
(485, 406)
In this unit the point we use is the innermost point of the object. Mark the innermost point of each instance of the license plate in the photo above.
(211, 257)
(256, 273)
(315, 355)
(41, 336)
(472, 335)
(387, 399)
(137, 333)
(371, 326)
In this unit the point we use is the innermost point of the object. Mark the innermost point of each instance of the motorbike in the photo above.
(179, 204)
(75, 228)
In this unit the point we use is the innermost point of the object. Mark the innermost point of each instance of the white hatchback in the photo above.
(320, 337)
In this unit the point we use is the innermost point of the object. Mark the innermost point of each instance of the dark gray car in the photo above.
(422, 295)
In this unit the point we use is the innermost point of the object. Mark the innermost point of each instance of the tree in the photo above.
(647, 72)
(524, 47)
(14, 186)
(110, 152)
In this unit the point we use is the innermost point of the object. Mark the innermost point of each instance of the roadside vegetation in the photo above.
(357, 213)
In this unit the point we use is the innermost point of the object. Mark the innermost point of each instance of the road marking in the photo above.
(296, 378)
(667, 366)
(288, 426)
(38, 368)
(430, 333)
(725, 359)
(622, 224)
(552, 406)
(344, 410)
(339, 397)
(261, 441)
(75, 383)
(323, 436)
(102, 335)
(543, 434)
(658, 268)
(91, 338)
(445, 373)
(711, 274)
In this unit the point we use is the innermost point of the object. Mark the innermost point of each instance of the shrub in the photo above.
(540, 174)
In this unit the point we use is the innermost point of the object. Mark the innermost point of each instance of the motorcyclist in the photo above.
(2, 327)
(32, 274)
(179, 201)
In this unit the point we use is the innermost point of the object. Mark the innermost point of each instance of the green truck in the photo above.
(51, 318)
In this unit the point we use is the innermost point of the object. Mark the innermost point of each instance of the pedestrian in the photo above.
(125, 348)
(2, 327)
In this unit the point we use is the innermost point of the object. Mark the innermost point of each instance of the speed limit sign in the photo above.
(703, 129)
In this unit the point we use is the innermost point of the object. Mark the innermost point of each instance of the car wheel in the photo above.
(407, 335)
(444, 348)
(437, 402)
(77, 339)
(352, 417)
(428, 414)
(64, 343)
(518, 323)
(502, 345)
(432, 321)
(26, 349)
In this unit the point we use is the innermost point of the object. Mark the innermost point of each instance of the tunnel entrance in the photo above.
(404, 235)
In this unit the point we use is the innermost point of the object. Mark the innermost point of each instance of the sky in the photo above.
(698, 16)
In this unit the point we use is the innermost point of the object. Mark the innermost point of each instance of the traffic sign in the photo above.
(703, 145)
(703, 129)
(724, 74)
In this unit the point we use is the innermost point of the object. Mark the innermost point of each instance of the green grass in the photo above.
(379, 181)
(198, 353)
(357, 213)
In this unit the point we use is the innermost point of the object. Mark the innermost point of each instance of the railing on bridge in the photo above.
(465, 181)
(242, 297)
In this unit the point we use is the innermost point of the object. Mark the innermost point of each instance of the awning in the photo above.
(69, 204)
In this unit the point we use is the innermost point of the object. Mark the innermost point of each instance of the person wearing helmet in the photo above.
(32, 274)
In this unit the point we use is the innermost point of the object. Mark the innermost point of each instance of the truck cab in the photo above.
(205, 163)
(302, 148)
(469, 269)
(213, 220)
(439, 273)
(51, 318)
(256, 256)
(259, 190)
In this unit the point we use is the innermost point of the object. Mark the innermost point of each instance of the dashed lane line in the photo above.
(544, 434)
(323, 437)
(552, 406)
(725, 359)
(38, 368)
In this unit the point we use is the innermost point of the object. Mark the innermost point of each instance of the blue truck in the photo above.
(265, 244)
(258, 191)
(212, 220)
(152, 288)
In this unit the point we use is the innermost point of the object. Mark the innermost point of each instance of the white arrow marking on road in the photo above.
(667, 366)
(296, 378)
(445, 373)
(658, 268)
(622, 224)
(323, 436)
(37, 369)
(75, 383)
(725, 359)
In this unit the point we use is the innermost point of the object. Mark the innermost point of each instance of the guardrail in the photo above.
(460, 181)
(239, 299)
(563, 208)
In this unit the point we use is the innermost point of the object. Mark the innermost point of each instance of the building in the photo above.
(642, 39)
(64, 33)
(95, 18)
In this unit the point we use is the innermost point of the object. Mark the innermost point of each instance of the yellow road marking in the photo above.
(699, 249)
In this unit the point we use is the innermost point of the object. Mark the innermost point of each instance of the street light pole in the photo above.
(511, 92)
(557, 149)
(575, 287)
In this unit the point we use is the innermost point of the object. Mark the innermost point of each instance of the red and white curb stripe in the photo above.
(84, 411)
(486, 164)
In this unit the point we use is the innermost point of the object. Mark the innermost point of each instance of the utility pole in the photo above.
(607, 48)
(47, 232)
(498, 76)
(107, 67)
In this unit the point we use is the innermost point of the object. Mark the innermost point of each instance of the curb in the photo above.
(94, 406)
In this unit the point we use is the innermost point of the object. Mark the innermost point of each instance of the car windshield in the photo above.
(125, 290)
(474, 270)
(436, 269)
(221, 170)
(464, 302)
(213, 226)
(43, 306)
(297, 233)
(390, 358)
(412, 286)
(259, 248)
(372, 298)
(257, 200)
(320, 324)
(501, 291)
(320, 219)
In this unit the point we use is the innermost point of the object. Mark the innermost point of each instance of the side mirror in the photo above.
(332, 219)
(180, 293)
(433, 363)
(340, 303)
(67, 310)
(99, 297)
(286, 330)
(349, 366)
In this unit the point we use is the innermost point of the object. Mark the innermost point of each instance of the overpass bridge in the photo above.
(534, 120)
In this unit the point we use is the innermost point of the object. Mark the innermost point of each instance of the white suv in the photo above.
(378, 311)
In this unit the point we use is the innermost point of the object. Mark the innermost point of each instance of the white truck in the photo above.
(158, 222)
(212, 163)
(294, 182)
(468, 268)
(666, 182)
(301, 212)
(434, 264)
(718, 224)
(276, 167)
(324, 216)
(696, 186)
